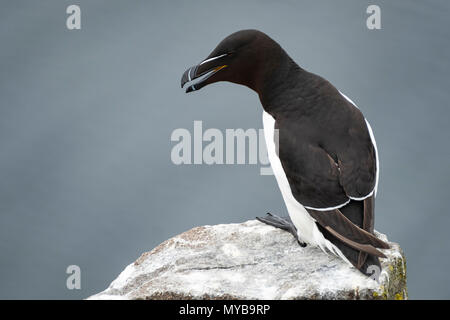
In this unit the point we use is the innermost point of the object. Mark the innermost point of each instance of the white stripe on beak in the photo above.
(213, 58)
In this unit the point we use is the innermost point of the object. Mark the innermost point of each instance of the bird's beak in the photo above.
(204, 70)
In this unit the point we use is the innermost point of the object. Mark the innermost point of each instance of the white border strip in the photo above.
(329, 208)
(374, 143)
(376, 156)
(362, 198)
(213, 58)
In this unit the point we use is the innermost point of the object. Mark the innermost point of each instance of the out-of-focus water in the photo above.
(86, 118)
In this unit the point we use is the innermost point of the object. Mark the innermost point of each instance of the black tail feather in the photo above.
(350, 229)
(360, 260)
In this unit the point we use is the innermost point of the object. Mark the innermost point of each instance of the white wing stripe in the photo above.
(374, 143)
(329, 208)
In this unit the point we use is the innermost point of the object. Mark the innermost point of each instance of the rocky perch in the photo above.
(252, 260)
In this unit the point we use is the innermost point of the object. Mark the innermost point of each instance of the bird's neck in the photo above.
(277, 82)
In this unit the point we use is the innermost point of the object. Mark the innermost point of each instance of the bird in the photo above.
(321, 148)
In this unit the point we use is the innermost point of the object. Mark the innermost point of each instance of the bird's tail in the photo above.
(350, 229)
(363, 261)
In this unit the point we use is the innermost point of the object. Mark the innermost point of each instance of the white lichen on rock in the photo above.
(251, 260)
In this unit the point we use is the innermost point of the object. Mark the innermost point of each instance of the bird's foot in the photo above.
(282, 223)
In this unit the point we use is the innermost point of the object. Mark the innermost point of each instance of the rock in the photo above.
(251, 260)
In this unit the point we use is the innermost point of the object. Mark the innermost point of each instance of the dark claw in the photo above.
(302, 244)
(281, 223)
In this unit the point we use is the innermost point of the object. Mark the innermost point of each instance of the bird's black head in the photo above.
(245, 57)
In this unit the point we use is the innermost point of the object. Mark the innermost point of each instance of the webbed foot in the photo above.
(282, 223)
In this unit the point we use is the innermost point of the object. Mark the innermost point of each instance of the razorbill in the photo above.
(326, 161)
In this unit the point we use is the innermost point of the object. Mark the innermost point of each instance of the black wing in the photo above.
(328, 163)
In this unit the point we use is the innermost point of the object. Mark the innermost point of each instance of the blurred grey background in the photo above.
(86, 117)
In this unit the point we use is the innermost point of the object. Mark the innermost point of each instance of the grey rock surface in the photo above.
(252, 260)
